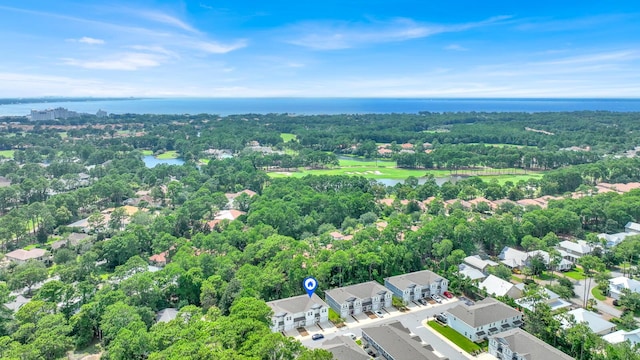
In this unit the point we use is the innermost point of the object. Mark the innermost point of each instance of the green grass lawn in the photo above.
(286, 137)
(204, 161)
(147, 152)
(545, 276)
(455, 337)
(576, 274)
(64, 135)
(7, 153)
(516, 279)
(171, 154)
(598, 294)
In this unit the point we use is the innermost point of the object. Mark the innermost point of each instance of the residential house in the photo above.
(166, 315)
(496, 286)
(416, 285)
(618, 284)
(82, 225)
(159, 259)
(632, 227)
(471, 272)
(477, 262)
(336, 235)
(595, 322)
(619, 336)
(393, 341)
(572, 251)
(344, 348)
(17, 303)
(517, 259)
(232, 196)
(21, 256)
(229, 214)
(71, 241)
(517, 344)
(612, 240)
(355, 299)
(552, 299)
(483, 319)
(298, 311)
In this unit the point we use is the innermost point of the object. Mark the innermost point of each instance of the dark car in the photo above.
(317, 336)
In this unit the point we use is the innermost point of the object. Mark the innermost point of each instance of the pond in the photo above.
(151, 161)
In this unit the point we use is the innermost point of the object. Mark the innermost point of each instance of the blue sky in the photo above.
(374, 48)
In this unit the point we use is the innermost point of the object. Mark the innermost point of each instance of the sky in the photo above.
(305, 48)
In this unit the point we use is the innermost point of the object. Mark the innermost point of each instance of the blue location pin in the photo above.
(310, 284)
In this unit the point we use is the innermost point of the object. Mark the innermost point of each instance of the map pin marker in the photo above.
(310, 284)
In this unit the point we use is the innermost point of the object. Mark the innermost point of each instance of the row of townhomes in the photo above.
(301, 311)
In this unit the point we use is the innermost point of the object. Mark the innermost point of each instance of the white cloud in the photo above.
(90, 41)
(343, 35)
(455, 47)
(126, 61)
(167, 19)
(213, 47)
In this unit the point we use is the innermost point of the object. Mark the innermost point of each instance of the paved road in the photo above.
(412, 320)
(579, 289)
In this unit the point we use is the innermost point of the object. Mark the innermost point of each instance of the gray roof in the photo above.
(296, 304)
(343, 348)
(17, 303)
(632, 226)
(529, 347)
(23, 255)
(358, 291)
(483, 312)
(422, 278)
(396, 340)
(166, 315)
(72, 240)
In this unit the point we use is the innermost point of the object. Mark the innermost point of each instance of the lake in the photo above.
(311, 106)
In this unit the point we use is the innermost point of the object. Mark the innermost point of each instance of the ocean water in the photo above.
(310, 106)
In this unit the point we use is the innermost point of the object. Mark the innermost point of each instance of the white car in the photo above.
(351, 335)
(379, 313)
(437, 298)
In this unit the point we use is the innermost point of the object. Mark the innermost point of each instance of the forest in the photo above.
(98, 292)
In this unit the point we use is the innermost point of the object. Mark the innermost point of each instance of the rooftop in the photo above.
(358, 291)
(619, 336)
(166, 315)
(343, 348)
(24, 255)
(593, 320)
(296, 304)
(497, 286)
(483, 312)
(398, 342)
(529, 347)
(422, 278)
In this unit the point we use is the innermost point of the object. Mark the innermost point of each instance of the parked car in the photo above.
(436, 298)
(423, 301)
(351, 335)
(379, 313)
(448, 295)
(317, 336)
(442, 318)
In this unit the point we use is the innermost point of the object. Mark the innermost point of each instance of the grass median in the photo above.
(455, 337)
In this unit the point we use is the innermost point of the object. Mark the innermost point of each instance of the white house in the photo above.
(632, 227)
(517, 344)
(612, 240)
(298, 311)
(498, 287)
(517, 259)
(471, 272)
(416, 285)
(483, 319)
(477, 262)
(553, 300)
(595, 322)
(355, 299)
(573, 251)
(617, 285)
(619, 336)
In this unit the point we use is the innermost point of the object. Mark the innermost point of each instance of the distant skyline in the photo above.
(375, 48)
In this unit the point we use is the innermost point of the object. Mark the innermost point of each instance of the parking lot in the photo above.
(413, 319)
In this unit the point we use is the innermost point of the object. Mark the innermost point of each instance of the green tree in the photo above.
(27, 275)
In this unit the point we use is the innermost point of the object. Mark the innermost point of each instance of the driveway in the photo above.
(579, 288)
(411, 319)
